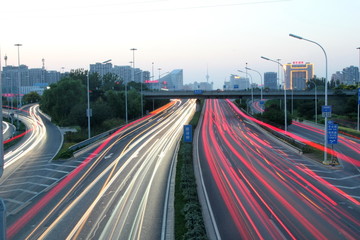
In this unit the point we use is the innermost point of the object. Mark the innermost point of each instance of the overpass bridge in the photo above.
(245, 94)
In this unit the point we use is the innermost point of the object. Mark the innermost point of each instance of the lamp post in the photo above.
(358, 110)
(18, 45)
(159, 77)
(315, 100)
(88, 112)
(261, 82)
(1, 126)
(285, 107)
(252, 87)
(326, 97)
(133, 79)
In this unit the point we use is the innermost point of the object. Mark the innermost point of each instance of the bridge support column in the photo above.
(198, 106)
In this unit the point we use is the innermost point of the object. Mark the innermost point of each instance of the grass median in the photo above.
(189, 222)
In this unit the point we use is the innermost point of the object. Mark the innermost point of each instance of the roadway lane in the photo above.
(259, 189)
(28, 171)
(118, 191)
(347, 146)
(8, 130)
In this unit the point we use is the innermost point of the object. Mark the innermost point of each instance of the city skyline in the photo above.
(191, 35)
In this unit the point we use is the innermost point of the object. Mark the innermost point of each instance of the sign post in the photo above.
(332, 132)
(187, 133)
(326, 111)
(332, 136)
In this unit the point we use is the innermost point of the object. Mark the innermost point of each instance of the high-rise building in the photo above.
(173, 80)
(31, 79)
(270, 80)
(348, 76)
(101, 68)
(298, 74)
(237, 83)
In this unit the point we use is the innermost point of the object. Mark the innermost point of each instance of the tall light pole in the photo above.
(252, 87)
(261, 82)
(1, 126)
(358, 110)
(133, 79)
(326, 88)
(159, 78)
(18, 45)
(285, 106)
(88, 112)
(315, 100)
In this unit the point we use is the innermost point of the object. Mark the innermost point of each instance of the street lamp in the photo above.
(18, 45)
(261, 82)
(133, 79)
(315, 100)
(285, 107)
(358, 110)
(159, 77)
(1, 126)
(88, 112)
(252, 88)
(326, 97)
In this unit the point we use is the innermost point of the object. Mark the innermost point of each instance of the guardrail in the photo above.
(93, 139)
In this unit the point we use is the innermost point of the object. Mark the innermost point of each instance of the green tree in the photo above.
(31, 97)
(116, 101)
(61, 97)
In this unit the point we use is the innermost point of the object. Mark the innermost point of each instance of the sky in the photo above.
(193, 35)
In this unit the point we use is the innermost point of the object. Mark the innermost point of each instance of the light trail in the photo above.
(133, 180)
(19, 224)
(37, 133)
(265, 193)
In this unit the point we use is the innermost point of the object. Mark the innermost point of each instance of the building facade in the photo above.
(172, 81)
(31, 79)
(348, 76)
(270, 80)
(297, 74)
(237, 83)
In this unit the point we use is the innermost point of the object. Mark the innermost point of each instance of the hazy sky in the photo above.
(186, 34)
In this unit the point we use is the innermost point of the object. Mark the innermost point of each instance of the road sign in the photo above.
(326, 111)
(187, 133)
(236, 86)
(198, 91)
(358, 95)
(262, 102)
(332, 132)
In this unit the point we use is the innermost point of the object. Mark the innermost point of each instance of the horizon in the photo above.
(221, 36)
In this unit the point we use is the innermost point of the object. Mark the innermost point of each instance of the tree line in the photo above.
(66, 101)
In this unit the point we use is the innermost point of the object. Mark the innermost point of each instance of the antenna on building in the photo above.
(5, 58)
(43, 63)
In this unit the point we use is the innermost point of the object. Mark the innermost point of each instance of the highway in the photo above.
(8, 130)
(258, 188)
(119, 189)
(27, 162)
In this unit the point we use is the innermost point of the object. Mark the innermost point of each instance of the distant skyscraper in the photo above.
(173, 80)
(238, 83)
(270, 80)
(101, 68)
(348, 76)
(298, 74)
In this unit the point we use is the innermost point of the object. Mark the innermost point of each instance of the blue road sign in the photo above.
(236, 86)
(332, 132)
(187, 133)
(198, 91)
(326, 111)
(262, 102)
